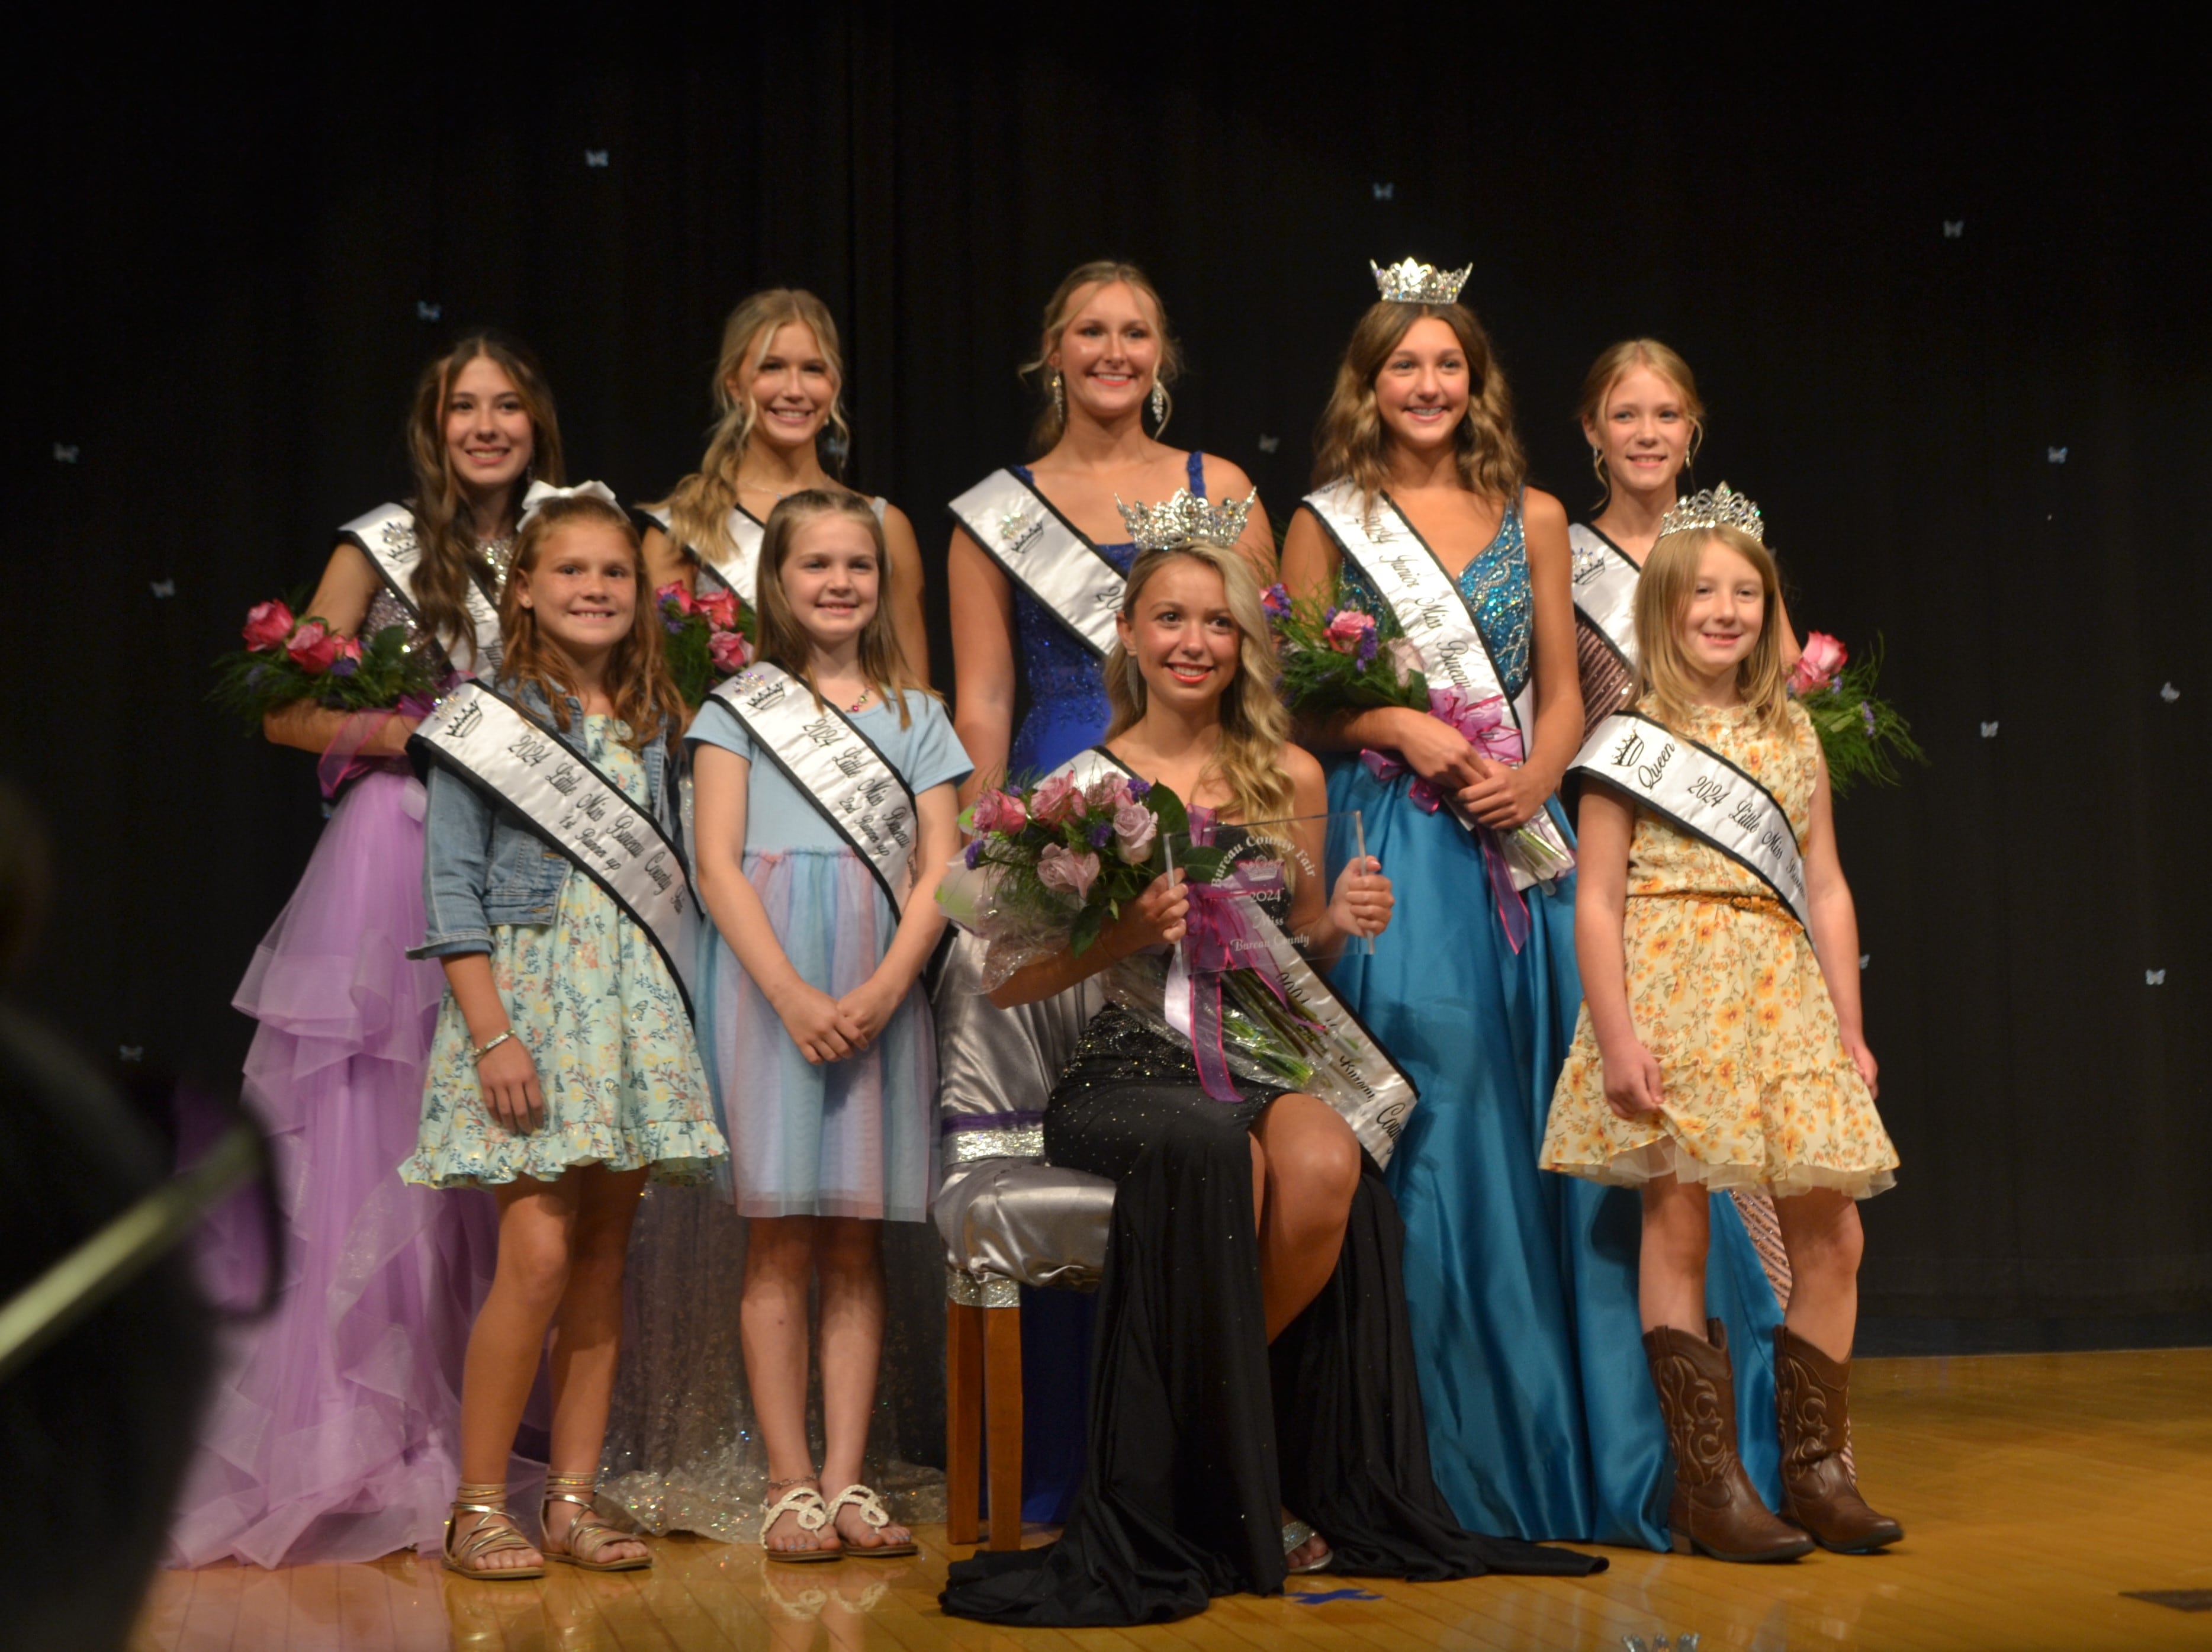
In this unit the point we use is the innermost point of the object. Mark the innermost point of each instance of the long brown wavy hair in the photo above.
(1255, 726)
(449, 557)
(784, 642)
(1611, 367)
(1662, 597)
(1060, 309)
(698, 507)
(644, 694)
(1352, 440)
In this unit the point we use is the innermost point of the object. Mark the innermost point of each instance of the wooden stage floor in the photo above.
(2035, 1489)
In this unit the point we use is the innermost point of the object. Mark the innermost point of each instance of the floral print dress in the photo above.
(1728, 996)
(591, 998)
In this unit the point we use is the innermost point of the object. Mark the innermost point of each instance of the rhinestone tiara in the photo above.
(1408, 282)
(1714, 507)
(1186, 520)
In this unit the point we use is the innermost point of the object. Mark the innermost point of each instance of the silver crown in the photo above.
(1408, 282)
(1714, 507)
(1187, 520)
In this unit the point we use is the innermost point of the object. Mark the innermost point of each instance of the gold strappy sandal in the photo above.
(587, 1533)
(874, 1516)
(495, 1533)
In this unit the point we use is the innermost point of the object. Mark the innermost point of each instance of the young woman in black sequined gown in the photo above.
(1253, 1369)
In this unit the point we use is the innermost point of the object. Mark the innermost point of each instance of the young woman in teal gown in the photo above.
(1521, 1284)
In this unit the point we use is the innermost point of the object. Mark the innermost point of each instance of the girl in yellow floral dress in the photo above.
(1719, 1044)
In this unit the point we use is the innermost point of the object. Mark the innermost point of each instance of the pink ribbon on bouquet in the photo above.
(1218, 937)
(1483, 725)
(341, 760)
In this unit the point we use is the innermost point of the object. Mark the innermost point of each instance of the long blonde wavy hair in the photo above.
(1255, 726)
(638, 681)
(784, 640)
(449, 559)
(698, 507)
(1352, 440)
(1663, 598)
(1615, 364)
(1077, 285)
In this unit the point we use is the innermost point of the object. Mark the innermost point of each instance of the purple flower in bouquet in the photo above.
(1277, 602)
(1139, 789)
(972, 853)
(1061, 869)
(1101, 834)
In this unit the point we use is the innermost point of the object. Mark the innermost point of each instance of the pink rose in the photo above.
(312, 648)
(673, 592)
(1405, 660)
(721, 610)
(728, 651)
(1001, 811)
(1057, 802)
(1134, 829)
(1106, 791)
(1060, 868)
(1820, 666)
(1350, 629)
(267, 625)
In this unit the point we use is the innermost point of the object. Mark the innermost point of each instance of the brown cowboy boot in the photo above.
(1812, 1396)
(1714, 1510)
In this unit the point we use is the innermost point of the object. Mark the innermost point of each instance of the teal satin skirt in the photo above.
(1521, 1283)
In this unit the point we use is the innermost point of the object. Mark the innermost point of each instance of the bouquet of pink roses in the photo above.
(709, 637)
(1862, 735)
(290, 661)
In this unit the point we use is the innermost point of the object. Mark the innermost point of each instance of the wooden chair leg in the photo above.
(964, 1403)
(1002, 1408)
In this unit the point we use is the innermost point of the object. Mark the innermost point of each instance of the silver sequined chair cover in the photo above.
(1007, 1218)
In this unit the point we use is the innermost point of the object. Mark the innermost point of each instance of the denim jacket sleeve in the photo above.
(456, 866)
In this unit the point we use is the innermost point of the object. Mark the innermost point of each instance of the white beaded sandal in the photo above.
(874, 1516)
(588, 1534)
(1296, 1535)
(802, 1500)
(495, 1533)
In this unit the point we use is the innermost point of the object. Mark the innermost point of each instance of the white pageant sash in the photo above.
(1354, 1074)
(1605, 580)
(736, 570)
(824, 753)
(1435, 617)
(386, 537)
(1045, 554)
(495, 745)
(1697, 790)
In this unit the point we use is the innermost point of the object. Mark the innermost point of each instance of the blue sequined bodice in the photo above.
(1495, 583)
(1066, 696)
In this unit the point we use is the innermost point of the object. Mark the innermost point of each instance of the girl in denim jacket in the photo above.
(563, 1073)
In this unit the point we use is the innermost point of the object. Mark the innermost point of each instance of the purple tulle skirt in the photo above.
(334, 1431)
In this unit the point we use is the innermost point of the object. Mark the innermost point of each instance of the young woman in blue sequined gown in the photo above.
(1105, 351)
(1522, 1284)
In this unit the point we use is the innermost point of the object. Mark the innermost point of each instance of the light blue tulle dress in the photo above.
(1521, 1284)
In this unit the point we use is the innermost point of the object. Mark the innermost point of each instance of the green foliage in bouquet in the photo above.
(290, 661)
(1337, 657)
(1862, 735)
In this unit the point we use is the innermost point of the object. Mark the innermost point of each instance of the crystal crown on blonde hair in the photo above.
(1714, 507)
(1408, 282)
(1187, 520)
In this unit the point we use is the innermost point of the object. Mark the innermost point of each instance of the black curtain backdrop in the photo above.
(1946, 309)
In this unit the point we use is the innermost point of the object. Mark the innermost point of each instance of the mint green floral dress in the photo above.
(590, 998)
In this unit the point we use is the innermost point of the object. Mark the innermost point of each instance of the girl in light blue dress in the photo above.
(818, 1033)
(562, 1072)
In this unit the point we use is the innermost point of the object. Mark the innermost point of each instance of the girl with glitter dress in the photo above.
(563, 1071)
(332, 1434)
(1254, 1409)
(778, 385)
(1034, 569)
(824, 777)
(1721, 1044)
(1521, 1285)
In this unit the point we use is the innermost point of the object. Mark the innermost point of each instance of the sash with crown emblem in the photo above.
(563, 797)
(1605, 580)
(1353, 1072)
(823, 752)
(387, 537)
(1044, 554)
(1696, 790)
(738, 570)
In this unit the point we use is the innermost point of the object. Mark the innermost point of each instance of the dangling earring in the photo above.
(1159, 404)
(1059, 400)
